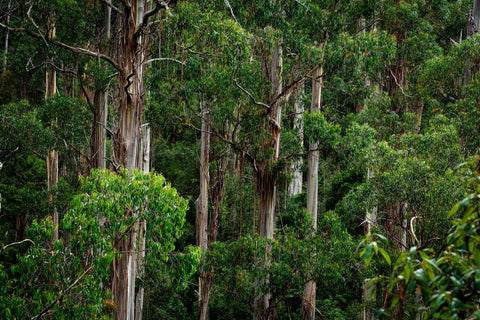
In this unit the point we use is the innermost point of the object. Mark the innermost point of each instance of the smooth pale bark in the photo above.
(202, 212)
(295, 186)
(309, 293)
(100, 102)
(5, 52)
(266, 177)
(142, 224)
(52, 156)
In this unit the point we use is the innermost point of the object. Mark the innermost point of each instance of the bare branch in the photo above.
(261, 104)
(398, 85)
(231, 11)
(165, 59)
(16, 243)
(84, 51)
(34, 24)
(294, 86)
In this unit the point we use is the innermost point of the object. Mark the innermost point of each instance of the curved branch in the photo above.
(261, 104)
(16, 243)
(159, 6)
(165, 59)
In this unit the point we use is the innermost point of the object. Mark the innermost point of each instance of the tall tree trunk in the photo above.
(295, 186)
(476, 15)
(100, 100)
(202, 212)
(266, 173)
(52, 156)
(309, 293)
(130, 49)
(142, 224)
(5, 52)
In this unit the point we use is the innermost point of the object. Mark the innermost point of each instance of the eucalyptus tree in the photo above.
(131, 31)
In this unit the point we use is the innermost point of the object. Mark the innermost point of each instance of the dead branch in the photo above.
(165, 59)
(261, 104)
(16, 243)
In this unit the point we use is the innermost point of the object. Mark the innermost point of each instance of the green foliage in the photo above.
(440, 284)
(236, 264)
(76, 271)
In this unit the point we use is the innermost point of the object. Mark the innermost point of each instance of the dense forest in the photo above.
(267, 159)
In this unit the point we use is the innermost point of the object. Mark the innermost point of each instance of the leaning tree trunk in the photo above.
(309, 293)
(266, 173)
(202, 213)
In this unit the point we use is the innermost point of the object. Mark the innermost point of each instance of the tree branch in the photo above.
(84, 51)
(16, 243)
(231, 11)
(159, 6)
(261, 104)
(62, 293)
(165, 59)
(109, 4)
(292, 87)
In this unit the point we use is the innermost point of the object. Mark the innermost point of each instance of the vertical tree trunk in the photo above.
(369, 288)
(309, 293)
(202, 212)
(6, 37)
(295, 186)
(52, 156)
(266, 174)
(476, 15)
(52, 180)
(142, 224)
(100, 100)
(130, 55)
